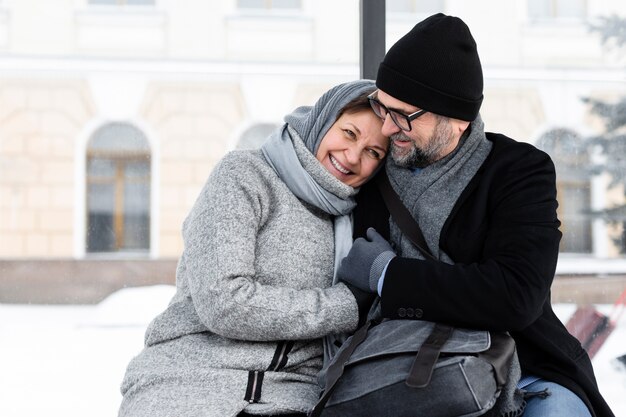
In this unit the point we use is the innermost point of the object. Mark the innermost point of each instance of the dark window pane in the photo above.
(575, 200)
(100, 167)
(118, 192)
(100, 212)
(571, 160)
(136, 216)
(137, 169)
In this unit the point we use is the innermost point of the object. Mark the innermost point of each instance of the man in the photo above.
(487, 207)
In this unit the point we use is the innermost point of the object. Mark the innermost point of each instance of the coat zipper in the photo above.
(255, 378)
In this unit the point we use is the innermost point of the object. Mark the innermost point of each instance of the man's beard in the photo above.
(414, 157)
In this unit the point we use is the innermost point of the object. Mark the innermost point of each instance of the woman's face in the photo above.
(353, 147)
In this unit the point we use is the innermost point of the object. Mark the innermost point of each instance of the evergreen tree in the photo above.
(612, 142)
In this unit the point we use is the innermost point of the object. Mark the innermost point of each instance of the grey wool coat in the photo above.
(253, 300)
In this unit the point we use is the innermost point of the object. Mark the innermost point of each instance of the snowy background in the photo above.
(69, 360)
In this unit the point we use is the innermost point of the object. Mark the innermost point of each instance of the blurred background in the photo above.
(114, 112)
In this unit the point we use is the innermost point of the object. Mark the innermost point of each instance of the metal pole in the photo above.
(372, 39)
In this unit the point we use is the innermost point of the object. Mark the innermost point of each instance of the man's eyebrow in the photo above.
(404, 111)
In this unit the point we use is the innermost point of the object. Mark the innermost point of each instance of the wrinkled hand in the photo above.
(365, 261)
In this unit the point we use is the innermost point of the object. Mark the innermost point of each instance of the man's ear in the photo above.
(460, 125)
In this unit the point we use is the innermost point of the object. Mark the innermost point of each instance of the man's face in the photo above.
(431, 136)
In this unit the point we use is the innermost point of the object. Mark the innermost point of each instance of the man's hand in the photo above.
(365, 261)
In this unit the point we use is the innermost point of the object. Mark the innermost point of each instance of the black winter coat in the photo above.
(503, 237)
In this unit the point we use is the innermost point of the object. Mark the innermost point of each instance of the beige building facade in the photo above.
(113, 113)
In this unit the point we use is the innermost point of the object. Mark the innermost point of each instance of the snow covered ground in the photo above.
(69, 360)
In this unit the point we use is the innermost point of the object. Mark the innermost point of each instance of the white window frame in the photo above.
(415, 9)
(269, 7)
(121, 4)
(119, 181)
(80, 192)
(555, 15)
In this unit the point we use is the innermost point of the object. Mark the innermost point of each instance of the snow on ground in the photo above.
(69, 360)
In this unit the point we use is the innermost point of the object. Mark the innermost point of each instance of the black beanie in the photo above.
(435, 67)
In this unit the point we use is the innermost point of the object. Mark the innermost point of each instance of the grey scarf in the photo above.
(291, 152)
(288, 149)
(312, 183)
(430, 196)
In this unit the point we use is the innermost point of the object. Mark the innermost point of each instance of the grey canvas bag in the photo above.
(412, 368)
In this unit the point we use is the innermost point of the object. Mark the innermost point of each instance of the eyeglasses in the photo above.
(403, 121)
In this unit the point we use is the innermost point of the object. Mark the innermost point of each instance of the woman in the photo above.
(254, 296)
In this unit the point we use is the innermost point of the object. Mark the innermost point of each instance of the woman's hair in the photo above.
(357, 104)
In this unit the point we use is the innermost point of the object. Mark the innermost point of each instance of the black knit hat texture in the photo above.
(435, 67)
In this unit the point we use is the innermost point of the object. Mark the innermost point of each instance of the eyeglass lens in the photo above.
(381, 111)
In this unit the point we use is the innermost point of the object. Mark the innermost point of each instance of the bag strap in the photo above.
(402, 216)
(335, 370)
(502, 345)
(424, 363)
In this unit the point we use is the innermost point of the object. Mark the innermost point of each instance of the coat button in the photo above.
(410, 312)
(419, 313)
(401, 312)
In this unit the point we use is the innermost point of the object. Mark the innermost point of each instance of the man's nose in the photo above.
(389, 127)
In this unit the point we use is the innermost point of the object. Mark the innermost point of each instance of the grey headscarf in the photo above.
(308, 125)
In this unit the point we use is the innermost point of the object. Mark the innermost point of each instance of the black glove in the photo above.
(364, 302)
(365, 262)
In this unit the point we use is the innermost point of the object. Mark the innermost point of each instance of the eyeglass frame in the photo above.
(393, 113)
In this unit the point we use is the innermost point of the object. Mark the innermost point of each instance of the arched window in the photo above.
(118, 190)
(255, 135)
(572, 163)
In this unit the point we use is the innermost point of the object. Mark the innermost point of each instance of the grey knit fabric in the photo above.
(377, 268)
(312, 122)
(256, 269)
(431, 194)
